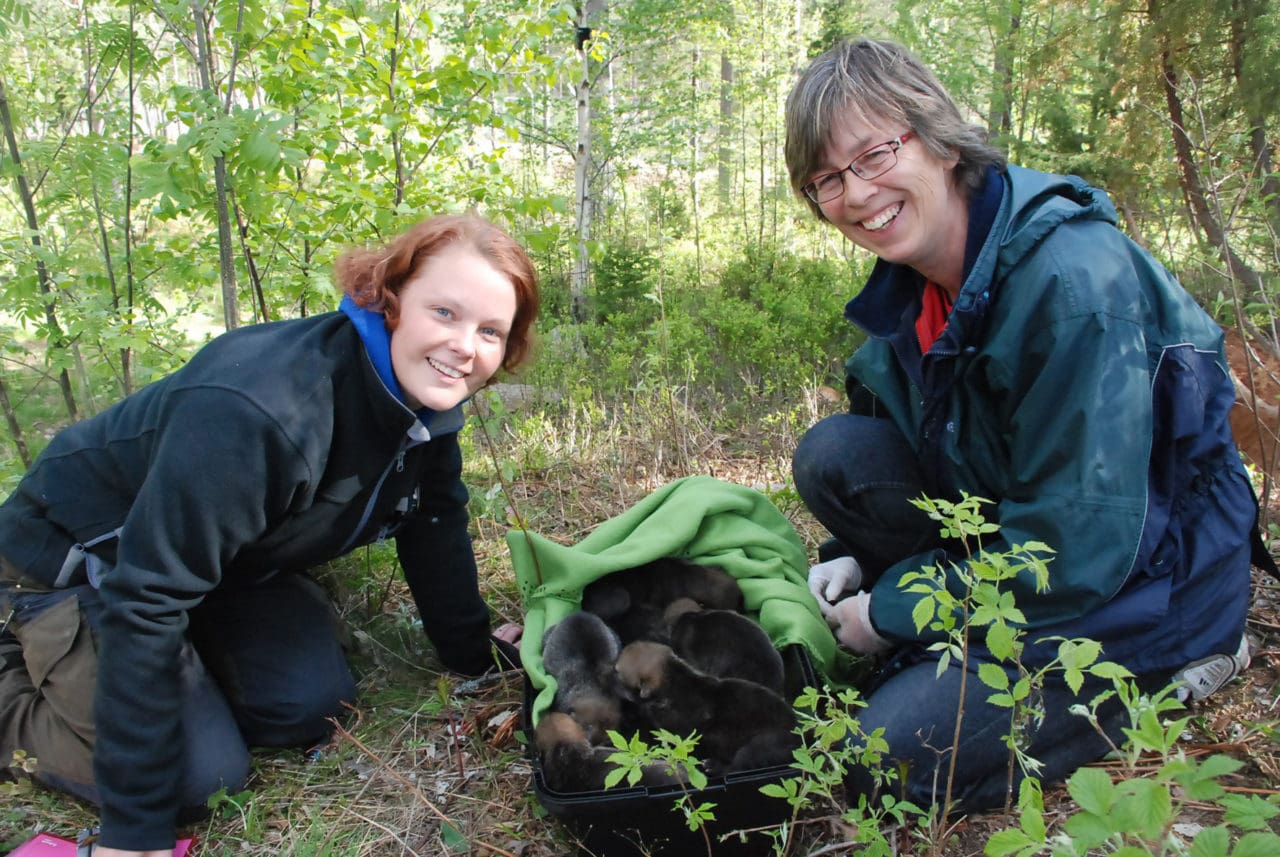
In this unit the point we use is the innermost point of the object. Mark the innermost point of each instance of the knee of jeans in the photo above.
(301, 715)
(226, 770)
(813, 463)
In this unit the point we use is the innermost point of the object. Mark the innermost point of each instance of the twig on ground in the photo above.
(347, 736)
(397, 837)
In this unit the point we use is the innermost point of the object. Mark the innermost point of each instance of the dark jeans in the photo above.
(917, 708)
(856, 474)
(262, 666)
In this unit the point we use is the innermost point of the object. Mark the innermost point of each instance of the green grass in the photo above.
(429, 763)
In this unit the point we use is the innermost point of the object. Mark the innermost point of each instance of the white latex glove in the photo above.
(831, 579)
(851, 620)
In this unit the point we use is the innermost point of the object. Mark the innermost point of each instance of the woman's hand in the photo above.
(851, 620)
(831, 579)
(100, 851)
(509, 632)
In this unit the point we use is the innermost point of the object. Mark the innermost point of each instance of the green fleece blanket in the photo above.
(697, 518)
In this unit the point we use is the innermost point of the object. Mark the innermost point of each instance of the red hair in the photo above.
(373, 277)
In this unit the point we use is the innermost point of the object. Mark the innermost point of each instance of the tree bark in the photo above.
(724, 160)
(1244, 15)
(100, 215)
(694, 152)
(15, 429)
(1000, 112)
(226, 259)
(1192, 183)
(588, 12)
(56, 338)
(397, 143)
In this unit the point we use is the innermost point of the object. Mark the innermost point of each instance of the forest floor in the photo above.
(428, 763)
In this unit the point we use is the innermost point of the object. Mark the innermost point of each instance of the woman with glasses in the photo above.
(1021, 349)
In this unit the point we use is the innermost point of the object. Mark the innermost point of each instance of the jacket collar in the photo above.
(890, 301)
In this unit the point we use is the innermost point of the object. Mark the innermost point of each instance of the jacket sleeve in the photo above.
(218, 472)
(1072, 411)
(439, 565)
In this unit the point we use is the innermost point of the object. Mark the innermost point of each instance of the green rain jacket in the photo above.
(1082, 389)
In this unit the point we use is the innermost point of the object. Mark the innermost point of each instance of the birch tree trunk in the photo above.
(724, 157)
(588, 12)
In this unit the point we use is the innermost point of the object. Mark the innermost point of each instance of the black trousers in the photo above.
(262, 666)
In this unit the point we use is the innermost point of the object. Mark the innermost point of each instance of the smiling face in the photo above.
(456, 312)
(913, 214)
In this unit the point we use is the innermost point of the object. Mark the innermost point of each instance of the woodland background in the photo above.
(169, 170)
(172, 169)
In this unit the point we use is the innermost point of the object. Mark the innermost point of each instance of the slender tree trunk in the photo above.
(1000, 115)
(250, 264)
(1244, 17)
(104, 235)
(761, 114)
(1192, 183)
(15, 429)
(56, 337)
(588, 10)
(693, 164)
(724, 158)
(126, 353)
(397, 141)
(226, 260)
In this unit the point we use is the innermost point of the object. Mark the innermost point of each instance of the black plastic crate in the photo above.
(633, 822)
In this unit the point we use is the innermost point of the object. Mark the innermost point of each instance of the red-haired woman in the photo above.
(156, 610)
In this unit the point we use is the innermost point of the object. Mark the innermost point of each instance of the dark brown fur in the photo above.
(725, 644)
(579, 652)
(733, 716)
(632, 600)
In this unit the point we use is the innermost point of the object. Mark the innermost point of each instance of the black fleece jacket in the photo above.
(276, 447)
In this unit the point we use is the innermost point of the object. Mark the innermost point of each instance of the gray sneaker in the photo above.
(1200, 678)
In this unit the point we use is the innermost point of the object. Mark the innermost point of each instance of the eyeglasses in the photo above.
(875, 161)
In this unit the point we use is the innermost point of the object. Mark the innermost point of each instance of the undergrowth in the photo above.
(428, 763)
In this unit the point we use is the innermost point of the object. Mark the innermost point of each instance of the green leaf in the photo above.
(1032, 823)
(1092, 789)
(260, 151)
(1248, 812)
(1089, 830)
(1211, 842)
(1257, 845)
(1219, 765)
(1078, 654)
(453, 838)
(1001, 639)
(1005, 842)
(993, 676)
(1145, 808)
(922, 613)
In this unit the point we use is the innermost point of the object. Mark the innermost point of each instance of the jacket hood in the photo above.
(1038, 203)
